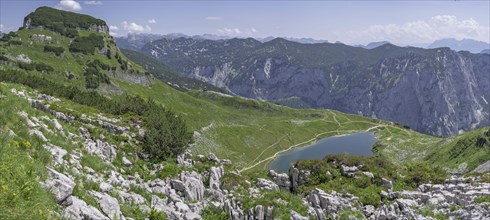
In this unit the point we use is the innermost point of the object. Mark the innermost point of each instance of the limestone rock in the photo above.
(297, 216)
(126, 162)
(109, 205)
(215, 174)
(266, 184)
(79, 210)
(194, 187)
(482, 168)
(105, 187)
(61, 186)
(387, 183)
(281, 179)
(213, 158)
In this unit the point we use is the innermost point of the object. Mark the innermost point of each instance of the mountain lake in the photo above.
(355, 144)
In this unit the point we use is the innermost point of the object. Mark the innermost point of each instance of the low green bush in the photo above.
(56, 50)
(87, 44)
(212, 213)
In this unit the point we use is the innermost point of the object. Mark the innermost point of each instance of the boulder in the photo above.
(39, 134)
(213, 158)
(370, 175)
(297, 216)
(387, 183)
(368, 210)
(131, 197)
(406, 203)
(57, 153)
(348, 171)
(482, 168)
(181, 207)
(61, 186)
(126, 162)
(158, 204)
(105, 187)
(109, 205)
(266, 184)
(79, 210)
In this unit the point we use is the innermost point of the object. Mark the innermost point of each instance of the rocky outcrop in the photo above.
(190, 185)
(441, 197)
(298, 177)
(97, 147)
(215, 174)
(266, 184)
(482, 168)
(61, 186)
(331, 203)
(281, 179)
(79, 210)
(109, 205)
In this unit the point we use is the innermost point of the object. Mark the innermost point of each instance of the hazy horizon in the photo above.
(350, 22)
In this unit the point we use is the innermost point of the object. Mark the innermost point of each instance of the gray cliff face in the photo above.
(437, 91)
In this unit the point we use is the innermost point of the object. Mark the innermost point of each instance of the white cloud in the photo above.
(113, 27)
(92, 2)
(213, 18)
(229, 31)
(1, 27)
(253, 30)
(114, 34)
(69, 5)
(437, 27)
(152, 21)
(133, 27)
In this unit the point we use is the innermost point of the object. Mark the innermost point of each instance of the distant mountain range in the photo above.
(373, 45)
(472, 46)
(434, 91)
(135, 41)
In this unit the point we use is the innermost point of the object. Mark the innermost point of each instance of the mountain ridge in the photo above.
(255, 71)
(470, 45)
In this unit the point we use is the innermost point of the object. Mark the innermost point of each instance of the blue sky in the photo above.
(353, 22)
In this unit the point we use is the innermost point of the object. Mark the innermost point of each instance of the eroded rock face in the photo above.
(215, 174)
(298, 177)
(193, 185)
(79, 210)
(281, 179)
